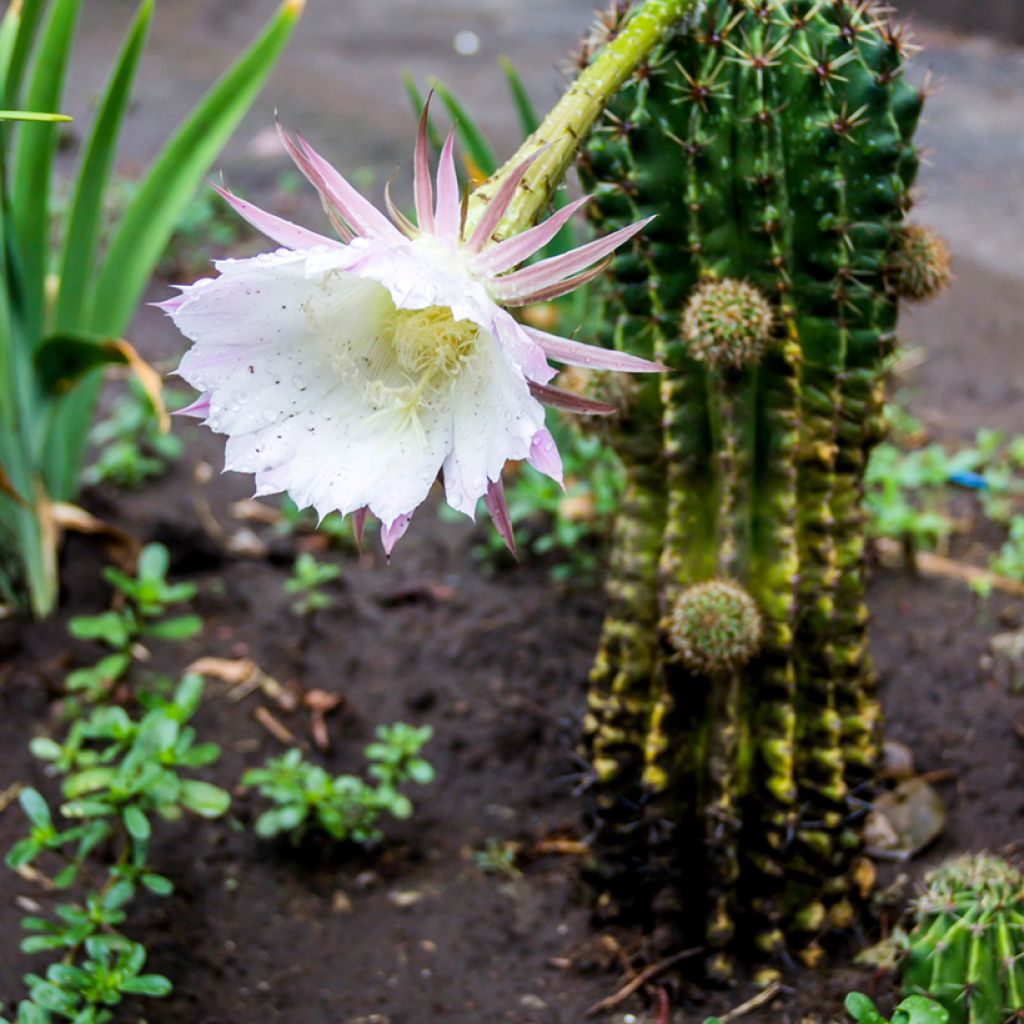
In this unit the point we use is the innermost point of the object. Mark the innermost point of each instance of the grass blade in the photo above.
(172, 180)
(147, 224)
(417, 103)
(25, 18)
(33, 159)
(32, 115)
(478, 154)
(83, 225)
(528, 120)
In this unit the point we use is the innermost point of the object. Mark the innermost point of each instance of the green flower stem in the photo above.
(574, 114)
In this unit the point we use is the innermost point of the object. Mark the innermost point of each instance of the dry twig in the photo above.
(641, 979)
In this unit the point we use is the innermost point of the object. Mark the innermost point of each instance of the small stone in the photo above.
(1007, 652)
(246, 544)
(341, 903)
(904, 821)
(897, 761)
(532, 1002)
(367, 880)
(405, 898)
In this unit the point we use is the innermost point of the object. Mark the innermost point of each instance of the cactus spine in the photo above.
(774, 143)
(965, 948)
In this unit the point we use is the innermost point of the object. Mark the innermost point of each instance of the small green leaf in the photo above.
(136, 822)
(147, 985)
(862, 1010)
(36, 809)
(157, 884)
(280, 819)
(21, 853)
(88, 781)
(65, 878)
(45, 749)
(204, 799)
(180, 628)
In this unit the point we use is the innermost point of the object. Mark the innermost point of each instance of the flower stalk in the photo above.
(552, 147)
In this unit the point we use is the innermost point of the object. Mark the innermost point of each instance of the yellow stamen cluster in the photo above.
(429, 348)
(430, 342)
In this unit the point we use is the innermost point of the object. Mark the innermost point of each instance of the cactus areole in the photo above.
(774, 143)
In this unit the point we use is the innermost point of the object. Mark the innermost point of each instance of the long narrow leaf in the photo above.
(33, 160)
(31, 115)
(147, 225)
(528, 120)
(477, 148)
(83, 226)
(176, 173)
(25, 16)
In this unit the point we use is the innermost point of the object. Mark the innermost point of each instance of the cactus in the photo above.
(965, 948)
(774, 142)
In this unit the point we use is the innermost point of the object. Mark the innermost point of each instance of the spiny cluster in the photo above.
(714, 627)
(973, 878)
(921, 263)
(727, 324)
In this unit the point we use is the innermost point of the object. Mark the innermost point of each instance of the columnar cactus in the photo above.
(774, 144)
(965, 948)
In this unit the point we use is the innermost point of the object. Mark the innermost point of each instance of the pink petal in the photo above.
(593, 357)
(544, 456)
(422, 187)
(200, 408)
(519, 247)
(357, 211)
(559, 399)
(499, 204)
(390, 535)
(448, 213)
(368, 219)
(171, 305)
(497, 506)
(558, 288)
(284, 232)
(550, 271)
(359, 525)
(303, 163)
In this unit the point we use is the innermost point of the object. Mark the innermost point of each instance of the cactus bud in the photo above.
(727, 323)
(715, 627)
(921, 263)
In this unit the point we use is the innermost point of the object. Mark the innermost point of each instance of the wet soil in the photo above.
(416, 932)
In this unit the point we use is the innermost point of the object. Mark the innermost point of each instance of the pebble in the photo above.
(904, 820)
(341, 903)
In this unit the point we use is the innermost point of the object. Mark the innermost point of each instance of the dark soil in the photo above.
(416, 933)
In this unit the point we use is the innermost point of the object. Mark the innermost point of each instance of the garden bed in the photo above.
(418, 932)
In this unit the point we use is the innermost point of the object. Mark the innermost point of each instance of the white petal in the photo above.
(494, 419)
(283, 352)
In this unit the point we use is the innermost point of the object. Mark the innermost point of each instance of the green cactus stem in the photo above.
(774, 142)
(965, 948)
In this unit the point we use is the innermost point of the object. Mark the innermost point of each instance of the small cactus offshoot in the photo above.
(965, 948)
(921, 263)
(727, 323)
(714, 627)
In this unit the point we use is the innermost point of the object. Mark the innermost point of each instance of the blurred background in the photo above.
(339, 82)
